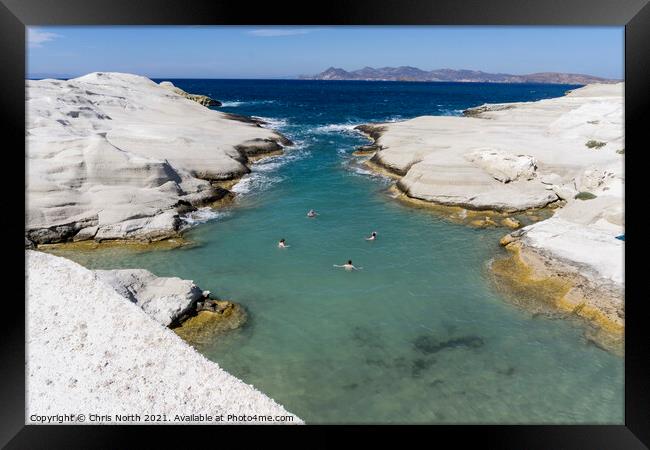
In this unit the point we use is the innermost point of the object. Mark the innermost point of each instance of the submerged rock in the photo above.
(366, 150)
(540, 275)
(507, 239)
(428, 344)
(214, 317)
(483, 222)
(511, 222)
(420, 365)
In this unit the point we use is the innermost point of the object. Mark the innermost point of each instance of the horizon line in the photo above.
(61, 77)
(302, 76)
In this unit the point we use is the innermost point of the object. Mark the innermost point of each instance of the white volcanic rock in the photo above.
(165, 299)
(474, 161)
(90, 350)
(503, 166)
(592, 248)
(108, 148)
(151, 228)
(200, 99)
(593, 178)
(580, 239)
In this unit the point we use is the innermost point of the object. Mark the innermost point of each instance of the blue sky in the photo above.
(278, 52)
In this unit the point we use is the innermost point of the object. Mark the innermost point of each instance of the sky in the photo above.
(286, 52)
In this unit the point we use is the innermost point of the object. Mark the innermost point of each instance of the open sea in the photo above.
(419, 335)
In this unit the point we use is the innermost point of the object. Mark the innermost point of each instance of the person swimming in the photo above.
(348, 266)
(372, 237)
(282, 244)
(312, 213)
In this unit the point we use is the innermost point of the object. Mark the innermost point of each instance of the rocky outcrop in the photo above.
(478, 111)
(213, 317)
(503, 166)
(576, 251)
(117, 156)
(520, 157)
(165, 299)
(528, 155)
(176, 303)
(578, 270)
(91, 350)
(200, 99)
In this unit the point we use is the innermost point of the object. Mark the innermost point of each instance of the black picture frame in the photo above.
(633, 14)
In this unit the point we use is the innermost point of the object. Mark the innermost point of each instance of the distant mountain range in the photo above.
(406, 73)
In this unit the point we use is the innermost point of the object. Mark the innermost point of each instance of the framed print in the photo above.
(369, 214)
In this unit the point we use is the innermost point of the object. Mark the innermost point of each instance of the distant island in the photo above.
(407, 73)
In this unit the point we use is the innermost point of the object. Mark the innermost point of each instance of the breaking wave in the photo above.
(201, 215)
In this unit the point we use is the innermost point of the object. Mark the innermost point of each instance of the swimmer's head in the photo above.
(374, 233)
(350, 261)
(282, 240)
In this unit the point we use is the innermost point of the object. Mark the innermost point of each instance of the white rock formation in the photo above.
(115, 154)
(91, 351)
(200, 99)
(164, 299)
(503, 166)
(583, 232)
(517, 156)
(502, 156)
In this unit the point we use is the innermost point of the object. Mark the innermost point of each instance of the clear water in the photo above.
(417, 336)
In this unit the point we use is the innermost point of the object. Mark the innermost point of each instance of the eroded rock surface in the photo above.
(165, 299)
(526, 155)
(200, 99)
(92, 350)
(516, 157)
(113, 155)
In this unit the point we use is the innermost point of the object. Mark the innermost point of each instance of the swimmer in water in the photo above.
(312, 213)
(348, 266)
(372, 237)
(282, 244)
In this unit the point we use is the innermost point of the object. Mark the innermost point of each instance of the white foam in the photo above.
(451, 112)
(272, 122)
(235, 103)
(201, 215)
(358, 170)
(255, 182)
(361, 171)
(231, 104)
(268, 166)
(263, 175)
(337, 128)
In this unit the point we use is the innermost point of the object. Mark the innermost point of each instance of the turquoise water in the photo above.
(419, 335)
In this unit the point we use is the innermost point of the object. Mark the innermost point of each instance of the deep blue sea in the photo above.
(419, 335)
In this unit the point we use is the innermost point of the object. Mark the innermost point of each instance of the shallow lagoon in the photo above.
(419, 335)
